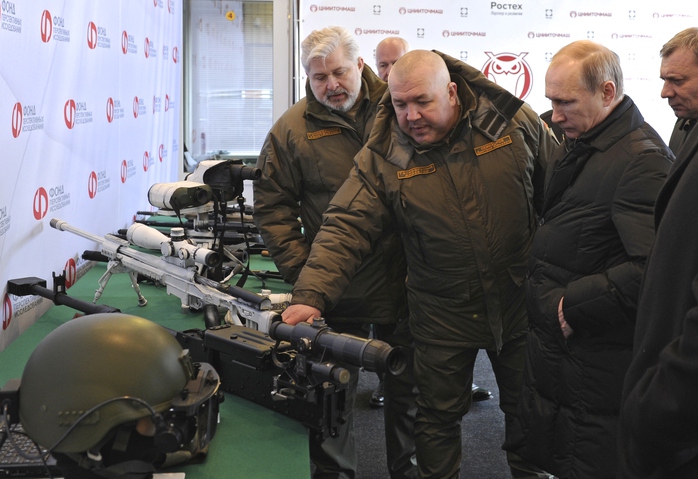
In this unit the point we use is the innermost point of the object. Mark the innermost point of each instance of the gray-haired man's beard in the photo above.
(344, 106)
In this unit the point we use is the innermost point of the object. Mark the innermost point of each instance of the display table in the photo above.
(250, 442)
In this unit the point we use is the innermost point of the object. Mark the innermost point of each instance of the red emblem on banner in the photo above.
(69, 114)
(46, 26)
(110, 110)
(509, 71)
(40, 206)
(17, 119)
(92, 35)
(92, 185)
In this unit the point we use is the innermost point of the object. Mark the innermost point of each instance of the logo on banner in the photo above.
(631, 14)
(41, 203)
(149, 47)
(574, 14)
(17, 119)
(6, 312)
(167, 102)
(464, 56)
(92, 185)
(175, 145)
(670, 15)
(15, 306)
(54, 200)
(92, 35)
(420, 33)
(76, 113)
(330, 8)
(170, 6)
(376, 9)
(71, 273)
(162, 152)
(509, 71)
(114, 110)
(110, 110)
(157, 104)
(124, 171)
(128, 43)
(69, 114)
(128, 169)
(96, 182)
(508, 9)
(53, 27)
(175, 54)
(548, 13)
(629, 36)
(97, 37)
(25, 119)
(147, 161)
(375, 31)
(138, 107)
(448, 33)
(464, 11)
(437, 11)
(4, 220)
(165, 52)
(46, 26)
(9, 21)
(548, 35)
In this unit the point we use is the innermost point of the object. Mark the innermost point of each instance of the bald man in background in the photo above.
(387, 53)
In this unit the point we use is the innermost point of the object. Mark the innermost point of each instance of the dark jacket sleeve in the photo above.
(354, 220)
(600, 301)
(276, 203)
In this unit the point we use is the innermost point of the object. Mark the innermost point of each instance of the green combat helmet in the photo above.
(125, 367)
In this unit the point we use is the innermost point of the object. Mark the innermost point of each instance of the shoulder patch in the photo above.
(493, 145)
(419, 170)
(314, 135)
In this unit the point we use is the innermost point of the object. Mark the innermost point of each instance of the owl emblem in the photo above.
(510, 71)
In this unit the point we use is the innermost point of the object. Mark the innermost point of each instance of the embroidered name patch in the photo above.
(489, 147)
(322, 133)
(419, 170)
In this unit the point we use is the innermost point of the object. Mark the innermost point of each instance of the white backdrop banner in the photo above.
(512, 41)
(88, 121)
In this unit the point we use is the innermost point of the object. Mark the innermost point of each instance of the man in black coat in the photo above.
(681, 83)
(658, 429)
(586, 264)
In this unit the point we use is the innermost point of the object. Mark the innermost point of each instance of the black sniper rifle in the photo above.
(177, 270)
(298, 371)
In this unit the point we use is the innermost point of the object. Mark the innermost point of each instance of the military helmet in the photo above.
(90, 360)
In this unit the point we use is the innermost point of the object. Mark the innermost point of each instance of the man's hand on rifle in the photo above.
(297, 313)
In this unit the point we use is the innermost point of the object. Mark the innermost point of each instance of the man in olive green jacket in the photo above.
(457, 164)
(305, 159)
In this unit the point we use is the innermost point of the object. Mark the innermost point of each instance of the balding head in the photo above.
(388, 51)
(423, 96)
(422, 62)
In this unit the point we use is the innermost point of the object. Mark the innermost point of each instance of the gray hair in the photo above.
(322, 43)
(687, 38)
(599, 64)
